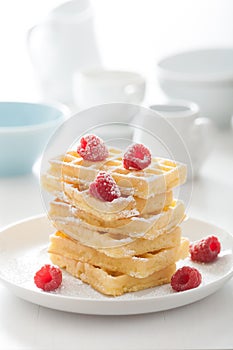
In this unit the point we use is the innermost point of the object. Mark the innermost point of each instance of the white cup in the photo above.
(197, 133)
(97, 86)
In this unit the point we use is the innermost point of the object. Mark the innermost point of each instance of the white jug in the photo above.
(62, 44)
(179, 121)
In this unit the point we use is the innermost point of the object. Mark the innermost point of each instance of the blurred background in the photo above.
(131, 35)
(46, 44)
(42, 53)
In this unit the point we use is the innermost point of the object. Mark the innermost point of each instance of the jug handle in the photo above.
(30, 32)
(28, 38)
(203, 135)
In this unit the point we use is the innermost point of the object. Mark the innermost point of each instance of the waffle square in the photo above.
(159, 177)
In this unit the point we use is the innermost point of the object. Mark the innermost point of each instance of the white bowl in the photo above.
(203, 76)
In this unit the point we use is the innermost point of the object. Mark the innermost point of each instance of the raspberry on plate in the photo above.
(48, 278)
(205, 250)
(92, 148)
(104, 187)
(137, 157)
(186, 278)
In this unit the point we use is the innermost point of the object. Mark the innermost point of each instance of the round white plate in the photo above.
(23, 250)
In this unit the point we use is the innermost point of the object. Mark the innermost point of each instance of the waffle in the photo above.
(159, 177)
(111, 283)
(129, 244)
(122, 207)
(139, 266)
(141, 246)
(88, 231)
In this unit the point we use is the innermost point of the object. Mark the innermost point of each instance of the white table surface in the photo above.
(206, 324)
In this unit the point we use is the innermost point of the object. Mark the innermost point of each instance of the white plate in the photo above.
(23, 250)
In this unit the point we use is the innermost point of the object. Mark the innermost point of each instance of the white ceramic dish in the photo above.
(23, 250)
(203, 76)
(97, 86)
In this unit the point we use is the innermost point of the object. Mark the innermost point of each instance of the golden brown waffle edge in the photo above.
(108, 283)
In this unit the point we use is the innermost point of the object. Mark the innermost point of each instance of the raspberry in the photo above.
(104, 187)
(137, 157)
(186, 278)
(48, 278)
(92, 148)
(205, 250)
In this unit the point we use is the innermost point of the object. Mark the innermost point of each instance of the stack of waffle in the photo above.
(126, 245)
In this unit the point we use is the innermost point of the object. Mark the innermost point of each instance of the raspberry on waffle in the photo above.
(119, 208)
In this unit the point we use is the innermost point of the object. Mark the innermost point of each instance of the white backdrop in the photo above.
(132, 34)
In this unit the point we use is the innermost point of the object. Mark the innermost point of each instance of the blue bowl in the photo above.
(24, 131)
